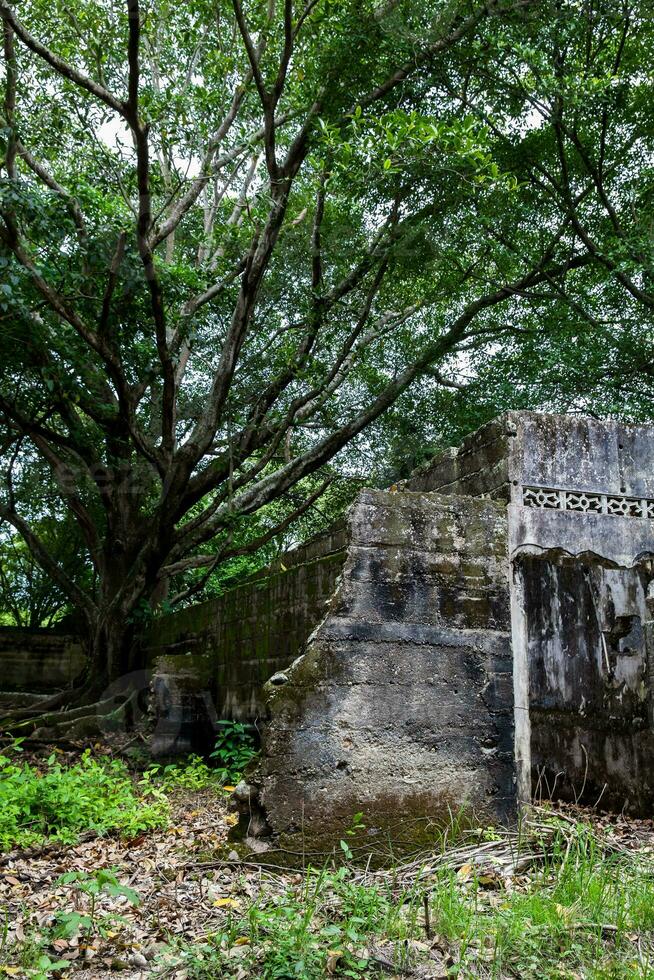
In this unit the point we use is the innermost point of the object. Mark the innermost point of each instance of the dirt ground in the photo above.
(178, 898)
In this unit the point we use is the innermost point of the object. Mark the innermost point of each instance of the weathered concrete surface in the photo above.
(524, 449)
(581, 540)
(38, 660)
(479, 466)
(582, 454)
(589, 681)
(211, 660)
(402, 706)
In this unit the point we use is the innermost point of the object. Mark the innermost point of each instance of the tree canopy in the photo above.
(237, 240)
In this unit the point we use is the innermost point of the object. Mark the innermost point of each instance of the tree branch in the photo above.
(59, 65)
(45, 560)
(10, 98)
(227, 552)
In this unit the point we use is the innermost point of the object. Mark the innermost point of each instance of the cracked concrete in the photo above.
(402, 705)
(478, 649)
(583, 695)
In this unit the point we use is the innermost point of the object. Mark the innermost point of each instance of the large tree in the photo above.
(232, 237)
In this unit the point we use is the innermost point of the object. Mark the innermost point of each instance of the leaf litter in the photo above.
(186, 889)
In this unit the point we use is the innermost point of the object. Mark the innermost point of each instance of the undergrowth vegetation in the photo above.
(560, 898)
(580, 912)
(57, 801)
(234, 749)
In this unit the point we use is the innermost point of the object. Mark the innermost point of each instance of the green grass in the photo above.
(592, 915)
(579, 913)
(582, 910)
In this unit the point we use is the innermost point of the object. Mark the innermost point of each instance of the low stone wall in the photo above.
(480, 466)
(402, 706)
(211, 660)
(38, 660)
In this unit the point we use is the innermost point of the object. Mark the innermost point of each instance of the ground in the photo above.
(569, 895)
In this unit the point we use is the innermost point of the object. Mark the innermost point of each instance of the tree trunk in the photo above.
(110, 650)
(124, 599)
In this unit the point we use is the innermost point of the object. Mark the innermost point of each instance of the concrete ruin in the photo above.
(580, 512)
(490, 637)
(401, 707)
(38, 661)
(210, 661)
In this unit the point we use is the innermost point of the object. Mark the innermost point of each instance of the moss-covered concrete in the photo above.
(402, 706)
(38, 660)
(211, 660)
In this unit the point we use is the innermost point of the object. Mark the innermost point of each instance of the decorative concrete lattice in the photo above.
(548, 498)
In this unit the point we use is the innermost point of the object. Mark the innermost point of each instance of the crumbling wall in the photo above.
(590, 694)
(402, 705)
(581, 533)
(471, 644)
(211, 660)
(480, 466)
(38, 660)
(581, 538)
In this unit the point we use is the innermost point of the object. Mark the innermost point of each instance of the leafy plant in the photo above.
(192, 774)
(91, 886)
(355, 827)
(59, 802)
(44, 967)
(29, 959)
(234, 748)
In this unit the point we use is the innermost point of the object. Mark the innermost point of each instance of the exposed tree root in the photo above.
(86, 721)
(84, 696)
(44, 704)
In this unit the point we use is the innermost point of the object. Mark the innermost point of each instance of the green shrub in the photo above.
(59, 802)
(234, 749)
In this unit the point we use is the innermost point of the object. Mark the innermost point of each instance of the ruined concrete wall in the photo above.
(521, 451)
(581, 532)
(584, 454)
(478, 467)
(38, 660)
(211, 660)
(581, 537)
(589, 682)
(402, 706)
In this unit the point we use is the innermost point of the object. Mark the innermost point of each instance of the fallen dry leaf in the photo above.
(333, 956)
